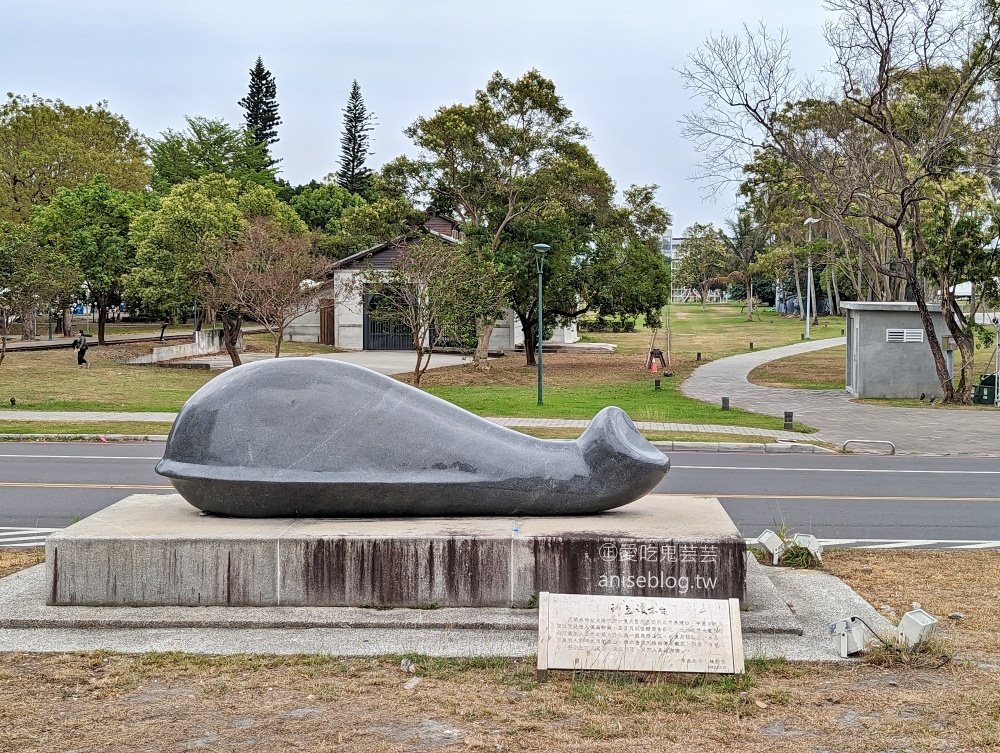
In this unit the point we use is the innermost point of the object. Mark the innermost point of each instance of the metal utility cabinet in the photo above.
(888, 354)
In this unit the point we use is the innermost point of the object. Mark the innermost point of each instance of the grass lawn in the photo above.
(576, 386)
(101, 700)
(83, 427)
(652, 436)
(51, 380)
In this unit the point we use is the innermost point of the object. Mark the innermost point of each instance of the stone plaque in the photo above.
(639, 634)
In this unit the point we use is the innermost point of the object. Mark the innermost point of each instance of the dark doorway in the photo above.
(326, 321)
(381, 333)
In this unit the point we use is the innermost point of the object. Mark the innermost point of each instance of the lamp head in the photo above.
(541, 248)
(811, 220)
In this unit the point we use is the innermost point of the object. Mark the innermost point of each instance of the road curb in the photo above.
(71, 437)
(768, 447)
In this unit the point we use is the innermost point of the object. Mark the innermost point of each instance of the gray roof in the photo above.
(887, 306)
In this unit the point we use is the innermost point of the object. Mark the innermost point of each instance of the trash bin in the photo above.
(984, 394)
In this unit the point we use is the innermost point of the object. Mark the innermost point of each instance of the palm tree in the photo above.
(744, 241)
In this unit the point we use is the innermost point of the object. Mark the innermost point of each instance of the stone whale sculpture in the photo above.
(313, 437)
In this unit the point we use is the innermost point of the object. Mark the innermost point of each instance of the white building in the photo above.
(340, 317)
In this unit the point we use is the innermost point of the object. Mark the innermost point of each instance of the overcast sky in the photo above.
(613, 63)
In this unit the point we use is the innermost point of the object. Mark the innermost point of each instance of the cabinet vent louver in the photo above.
(904, 335)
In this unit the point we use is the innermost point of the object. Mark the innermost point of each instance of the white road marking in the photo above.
(87, 457)
(830, 470)
(950, 544)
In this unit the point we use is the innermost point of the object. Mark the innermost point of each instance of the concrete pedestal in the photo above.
(156, 550)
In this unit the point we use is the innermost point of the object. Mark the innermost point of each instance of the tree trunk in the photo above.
(836, 290)
(231, 326)
(798, 289)
(482, 353)
(703, 294)
(749, 299)
(940, 365)
(67, 322)
(102, 320)
(812, 298)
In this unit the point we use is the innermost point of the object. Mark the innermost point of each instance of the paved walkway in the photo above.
(924, 431)
(382, 361)
(559, 423)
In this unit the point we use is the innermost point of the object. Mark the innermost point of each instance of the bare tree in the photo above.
(912, 108)
(267, 275)
(430, 290)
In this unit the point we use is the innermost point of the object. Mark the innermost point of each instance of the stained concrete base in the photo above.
(157, 550)
(788, 612)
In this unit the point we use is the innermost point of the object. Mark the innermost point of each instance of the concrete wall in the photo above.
(890, 369)
(347, 320)
(207, 341)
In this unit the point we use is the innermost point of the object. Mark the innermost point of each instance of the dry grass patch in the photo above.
(942, 582)
(818, 370)
(13, 560)
(166, 702)
(561, 370)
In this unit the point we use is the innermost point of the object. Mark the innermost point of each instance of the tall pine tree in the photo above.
(354, 150)
(260, 107)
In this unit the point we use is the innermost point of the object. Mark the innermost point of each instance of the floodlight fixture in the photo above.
(848, 636)
(810, 542)
(916, 627)
(811, 220)
(772, 543)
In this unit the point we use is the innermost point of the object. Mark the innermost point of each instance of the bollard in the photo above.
(751, 346)
(725, 403)
(841, 330)
(789, 423)
(697, 356)
(802, 335)
(656, 384)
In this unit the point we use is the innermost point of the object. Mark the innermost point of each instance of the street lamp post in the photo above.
(809, 222)
(540, 250)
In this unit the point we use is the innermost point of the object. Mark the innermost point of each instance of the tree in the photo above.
(174, 240)
(89, 226)
(266, 274)
(31, 278)
(209, 147)
(322, 205)
(260, 107)
(705, 261)
(354, 145)
(428, 289)
(914, 106)
(365, 225)
(509, 157)
(47, 145)
(745, 241)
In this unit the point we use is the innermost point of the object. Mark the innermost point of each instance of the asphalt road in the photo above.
(856, 499)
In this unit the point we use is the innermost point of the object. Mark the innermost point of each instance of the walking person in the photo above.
(80, 346)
